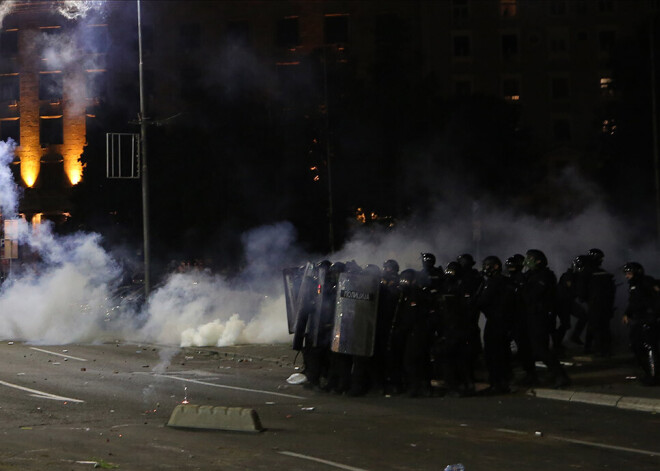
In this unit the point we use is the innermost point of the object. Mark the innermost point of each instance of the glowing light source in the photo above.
(29, 172)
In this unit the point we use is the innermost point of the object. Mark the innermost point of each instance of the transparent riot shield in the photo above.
(354, 331)
(292, 280)
(304, 307)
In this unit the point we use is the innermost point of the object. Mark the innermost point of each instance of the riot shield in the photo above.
(292, 280)
(354, 331)
(304, 305)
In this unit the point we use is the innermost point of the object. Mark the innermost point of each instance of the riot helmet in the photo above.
(491, 265)
(391, 266)
(324, 264)
(597, 255)
(453, 269)
(466, 261)
(337, 268)
(514, 263)
(407, 278)
(633, 270)
(580, 263)
(353, 267)
(535, 259)
(428, 260)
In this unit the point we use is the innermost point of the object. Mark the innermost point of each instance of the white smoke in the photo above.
(8, 191)
(6, 8)
(74, 9)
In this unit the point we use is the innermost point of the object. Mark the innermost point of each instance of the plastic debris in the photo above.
(538, 434)
(297, 378)
(308, 409)
(455, 467)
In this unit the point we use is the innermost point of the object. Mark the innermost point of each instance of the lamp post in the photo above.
(144, 168)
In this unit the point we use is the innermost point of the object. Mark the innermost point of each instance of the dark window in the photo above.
(460, 9)
(509, 45)
(191, 36)
(558, 7)
(50, 86)
(238, 32)
(95, 39)
(51, 131)
(9, 88)
(606, 41)
(9, 43)
(287, 32)
(605, 6)
(511, 89)
(462, 46)
(560, 88)
(561, 129)
(336, 29)
(95, 85)
(508, 8)
(10, 129)
(388, 29)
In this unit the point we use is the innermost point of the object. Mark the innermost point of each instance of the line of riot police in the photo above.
(362, 329)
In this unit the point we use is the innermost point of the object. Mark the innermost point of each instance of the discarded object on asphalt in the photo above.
(297, 378)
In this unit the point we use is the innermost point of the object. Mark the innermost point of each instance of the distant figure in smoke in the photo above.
(430, 280)
(582, 269)
(565, 306)
(601, 291)
(538, 294)
(471, 280)
(641, 317)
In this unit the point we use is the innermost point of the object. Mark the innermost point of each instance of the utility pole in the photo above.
(144, 171)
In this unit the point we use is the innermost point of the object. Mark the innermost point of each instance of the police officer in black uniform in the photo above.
(495, 300)
(601, 291)
(538, 294)
(641, 317)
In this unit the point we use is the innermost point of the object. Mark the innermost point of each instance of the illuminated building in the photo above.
(549, 59)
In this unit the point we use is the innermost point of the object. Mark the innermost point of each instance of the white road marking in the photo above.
(40, 394)
(57, 354)
(584, 442)
(605, 446)
(258, 391)
(319, 460)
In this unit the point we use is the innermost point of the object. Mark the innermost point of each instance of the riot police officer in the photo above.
(539, 299)
(601, 291)
(641, 317)
(495, 300)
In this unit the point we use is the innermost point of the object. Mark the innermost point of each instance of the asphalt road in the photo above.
(69, 407)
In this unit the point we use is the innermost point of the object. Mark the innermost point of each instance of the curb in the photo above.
(611, 400)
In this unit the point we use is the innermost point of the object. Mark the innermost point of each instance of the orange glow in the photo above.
(29, 171)
(73, 170)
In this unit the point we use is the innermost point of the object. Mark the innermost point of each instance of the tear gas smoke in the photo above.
(8, 190)
(74, 9)
(6, 8)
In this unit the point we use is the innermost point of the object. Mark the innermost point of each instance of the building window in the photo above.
(335, 28)
(508, 8)
(10, 129)
(559, 88)
(9, 88)
(50, 86)
(51, 130)
(511, 88)
(605, 6)
(461, 46)
(460, 9)
(288, 33)
(95, 39)
(558, 42)
(9, 43)
(190, 36)
(558, 7)
(561, 129)
(509, 45)
(606, 41)
(606, 86)
(238, 32)
(95, 84)
(389, 30)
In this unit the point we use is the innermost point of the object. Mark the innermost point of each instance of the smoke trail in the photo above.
(6, 8)
(74, 9)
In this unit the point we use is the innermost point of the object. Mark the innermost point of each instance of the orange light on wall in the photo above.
(29, 171)
(73, 170)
